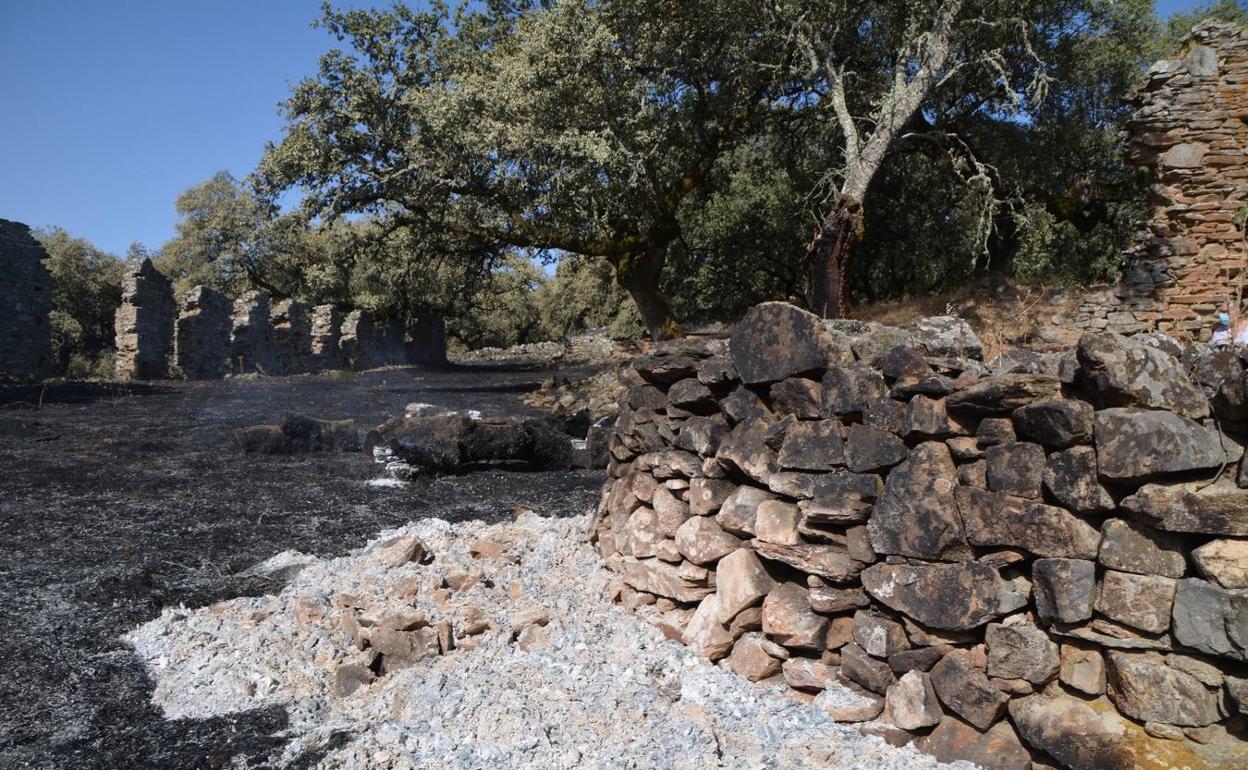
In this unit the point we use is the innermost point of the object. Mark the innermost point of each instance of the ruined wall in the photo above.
(25, 301)
(1191, 126)
(1009, 565)
(326, 328)
(251, 340)
(292, 336)
(202, 337)
(428, 340)
(144, 323)
(368, 341)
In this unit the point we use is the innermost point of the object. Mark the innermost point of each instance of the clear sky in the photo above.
(108, 110)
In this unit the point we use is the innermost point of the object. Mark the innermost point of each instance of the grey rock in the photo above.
(1134, 445)
(870, 449)
(776, 340)
(691, 395)
(886, 414)
(1139, 601)
(995, 519)
(1123, 372)
(799, 397)
(808, 486)
(1070, 476)
(1064, 589)
(1021, 651)
(1147, 690)
(916, 514)
(1016, 468)
(850, 390)
(995, 430)
(1218, 509)
(742, 404)
(813, 446)
(1057, 423)
(746, 450)
(1211, 619)
(928, 418)
(953, 597)
(1128, 546)
(947, 336)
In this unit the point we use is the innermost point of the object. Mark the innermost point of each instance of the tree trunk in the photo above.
(829, 256)
(639, 275)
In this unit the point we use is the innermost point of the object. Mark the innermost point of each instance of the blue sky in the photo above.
(110, 109)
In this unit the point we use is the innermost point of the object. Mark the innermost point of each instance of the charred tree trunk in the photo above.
(639, 274)
(830, 255)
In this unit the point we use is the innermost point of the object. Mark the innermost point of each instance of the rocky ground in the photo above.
(119, 501)
(499, 648)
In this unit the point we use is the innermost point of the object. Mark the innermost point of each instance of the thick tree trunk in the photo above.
(829, 257)
(639, 275)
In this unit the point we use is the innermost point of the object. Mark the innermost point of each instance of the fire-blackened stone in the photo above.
(995, 430)
(813, 446)
(903, 361)
(966, 691)
(746, 449)
(717, 372)
(646, 397)
(850, 390)
(692, 396)
(995, 519)
(1064, 589)
(1219, 509)
(1002, 394)
(886, 414)
(1057, 423)
(1139, 601)
(858, 666)
(1021, 651)
(799, 397)
(928, 418)
(916, 515)
(1132, 444)
(1123, 372)
(1016, 468)
(742, 404)
(1070, 476)
(928, 384)
(951, 597)
(871, 449)
(776, 340)
(666, 367)
(1128, 546)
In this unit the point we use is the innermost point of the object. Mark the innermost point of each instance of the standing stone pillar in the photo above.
(292, 335)
(201, 343)
(355, 342)
(428, 340)
(251, 341)
(144, 323)
(25, 302)
(326, 328)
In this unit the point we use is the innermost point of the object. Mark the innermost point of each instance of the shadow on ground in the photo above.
(116, 501)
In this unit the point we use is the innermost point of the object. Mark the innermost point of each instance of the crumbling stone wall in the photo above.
(1011, 564)
(368, 341)
(202, 340)
(251, 339)
(292, 336)
(1191, 126)
(427, 343)
(144, 323)
(326, 328)
(25, 302)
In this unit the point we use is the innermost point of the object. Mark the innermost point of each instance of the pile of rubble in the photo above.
(466, 646)
(1042, 560)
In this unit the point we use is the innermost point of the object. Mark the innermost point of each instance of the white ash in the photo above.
(607, 690)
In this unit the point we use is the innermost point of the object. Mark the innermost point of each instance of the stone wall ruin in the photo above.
(1191, 127)
(211, 337)
(25, 302)
(1017, 562)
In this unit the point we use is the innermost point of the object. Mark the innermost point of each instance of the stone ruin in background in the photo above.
(25, 302)
(1042, 558)
(206, 336)
(1191, 126)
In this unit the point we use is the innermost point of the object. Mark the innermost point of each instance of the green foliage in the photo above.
(85, 296)
(503, 310)
(583, 295)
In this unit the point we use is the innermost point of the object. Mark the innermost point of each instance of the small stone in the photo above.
(1208, 675)
(789, 620)
(668, 552)
(1164, 731)
(1021, 651)
(741, 582)
(702, 541)
(350, 677)
(916, 659)
(966, 691)
(1129, 546)
(911, 702)
(746, 450)
(826, 599)
(402, 550)
(1057, 423)
(878, 635)
(964, 449)
(1139, 601)
(1211, 619)
(750, 659)
(808, 675)
(1016, 468)
(1003, 393)
(858, 666)
(928, 418)
(994, 430)
(850, 705)
(1070, 477)
(776, 522)
(1083, 668)
(776, 340)
(870, 449)
(851, 390)
(1064, 589)
(1217, 509)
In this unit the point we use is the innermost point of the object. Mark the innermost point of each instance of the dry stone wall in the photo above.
(145, 323)
(1191, 126)
(25, 302)
(1009, 563)
(292, 336)
(202, 338)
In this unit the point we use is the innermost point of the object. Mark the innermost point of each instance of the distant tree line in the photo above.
(694, 157)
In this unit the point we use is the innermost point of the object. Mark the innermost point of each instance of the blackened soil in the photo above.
(116, 501)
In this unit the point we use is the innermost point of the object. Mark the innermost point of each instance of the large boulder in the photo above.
(1134, 444)
(916, 515)
(952, 597)
(776, 340)
(451, 443)
(1123, 372)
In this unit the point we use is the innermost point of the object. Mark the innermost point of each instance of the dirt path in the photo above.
(115, 503)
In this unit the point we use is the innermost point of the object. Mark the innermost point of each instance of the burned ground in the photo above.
(116, 501)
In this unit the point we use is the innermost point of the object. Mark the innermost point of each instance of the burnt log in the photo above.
(450, 443)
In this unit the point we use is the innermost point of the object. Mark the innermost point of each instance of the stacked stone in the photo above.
(25, 302)
(202, 338)
(144, 323)
(326, 326)
(427, 340)
(1010, 565)
(369, 341)
(251, 338)
(1191, 125)
(292, 336)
